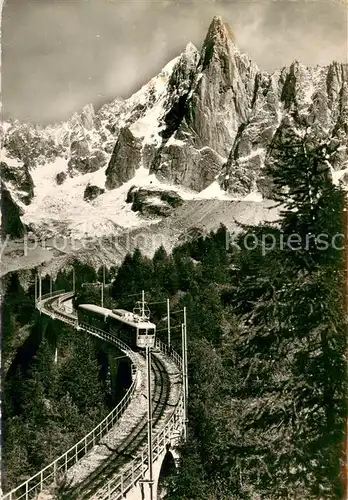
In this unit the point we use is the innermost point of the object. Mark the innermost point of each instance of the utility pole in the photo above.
(168, 317)
(73, 271)
(51, 284)
(40, 284)
(184, 376)
(142, 304)
(186, 366)
(149, 419)
(35, 288)
(1, 440)
(102, 287)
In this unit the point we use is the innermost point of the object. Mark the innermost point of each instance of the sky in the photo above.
(59, 55)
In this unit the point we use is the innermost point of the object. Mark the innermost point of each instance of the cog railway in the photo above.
(115, 457)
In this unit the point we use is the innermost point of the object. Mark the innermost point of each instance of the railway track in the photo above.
(95, 485)
(125, 464)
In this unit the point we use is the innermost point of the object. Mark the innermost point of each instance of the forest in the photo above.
(267, 329)
(58, 385)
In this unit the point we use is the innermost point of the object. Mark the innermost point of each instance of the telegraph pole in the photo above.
(51, 284)
(184, 378)
(184, 371)
(149, 419)
(102, 287)
(186, 366)
(1, 388)
(40, 284)
(143, 304)
(168, 317)
(73, 270)
(35, 288)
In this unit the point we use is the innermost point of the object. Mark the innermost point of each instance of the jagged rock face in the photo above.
(29, 144)
(20, 180)
(186, 166)
(217, 102)
(86, 164)
(233, 110)
(221, 101)
(298, 97)
(125, 159)
(11, 224)
(86, 139)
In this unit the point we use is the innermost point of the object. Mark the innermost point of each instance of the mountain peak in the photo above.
(190, 49)
(219, 30)
(219, 41)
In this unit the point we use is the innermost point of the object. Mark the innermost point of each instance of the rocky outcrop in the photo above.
(20, 180)
(217, 103)
(11, 224)
(91, 192)
(79, 148)
(60, 178)
(125, 159)
(86, 164)
(188, 166)
(153, 202)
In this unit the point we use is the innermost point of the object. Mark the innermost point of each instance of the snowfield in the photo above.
(63, 205)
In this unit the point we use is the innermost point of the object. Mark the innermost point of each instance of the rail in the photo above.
(32, 486)
(118, 486)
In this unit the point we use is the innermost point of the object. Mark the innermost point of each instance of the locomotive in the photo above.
(128, 327)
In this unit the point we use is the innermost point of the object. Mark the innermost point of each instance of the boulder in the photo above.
(153, 202)
(60, 178)
(91, 192)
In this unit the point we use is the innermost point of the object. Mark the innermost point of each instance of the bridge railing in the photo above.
(135, 470)
(47, 476)
(170, 352)
(53, 294)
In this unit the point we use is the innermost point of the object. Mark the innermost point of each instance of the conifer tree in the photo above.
(291, 355)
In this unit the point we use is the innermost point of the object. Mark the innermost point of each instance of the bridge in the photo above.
(123, 455)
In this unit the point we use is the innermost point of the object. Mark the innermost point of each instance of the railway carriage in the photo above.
(127, 326)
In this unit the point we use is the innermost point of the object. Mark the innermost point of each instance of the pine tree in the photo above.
(291, 354)
(301, 174)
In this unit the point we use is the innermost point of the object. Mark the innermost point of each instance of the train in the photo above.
(127, 326)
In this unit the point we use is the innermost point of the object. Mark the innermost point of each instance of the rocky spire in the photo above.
(219, 30)
(219, 39)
